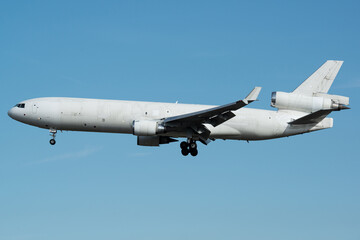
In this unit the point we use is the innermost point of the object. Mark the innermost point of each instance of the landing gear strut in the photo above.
(189, 147)
(53, 134)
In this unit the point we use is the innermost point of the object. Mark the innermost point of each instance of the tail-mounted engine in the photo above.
(319, 101)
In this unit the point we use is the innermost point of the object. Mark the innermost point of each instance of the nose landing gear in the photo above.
(189, 147)
(53, 134)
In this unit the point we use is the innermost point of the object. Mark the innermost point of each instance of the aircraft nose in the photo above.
(11, 113)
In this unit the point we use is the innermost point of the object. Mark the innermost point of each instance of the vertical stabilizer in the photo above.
(320, 81)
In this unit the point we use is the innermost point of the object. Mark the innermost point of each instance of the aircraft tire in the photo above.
(194, 152)
(193, 145)
(183, 145)
(185, 151)
(52, 141)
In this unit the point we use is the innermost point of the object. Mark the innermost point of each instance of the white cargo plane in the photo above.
(301, 111)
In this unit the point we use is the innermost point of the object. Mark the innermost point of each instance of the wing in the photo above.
(214, 116)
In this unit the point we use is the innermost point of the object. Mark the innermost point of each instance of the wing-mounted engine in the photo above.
(154, 141)
(147, 131)
(305, 103)
(147, 128)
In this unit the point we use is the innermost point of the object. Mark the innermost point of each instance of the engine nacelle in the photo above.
(335, 98)
(292, 101)
(147, 128)
(153, 141)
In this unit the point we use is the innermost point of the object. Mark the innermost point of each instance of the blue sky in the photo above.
(104, 186)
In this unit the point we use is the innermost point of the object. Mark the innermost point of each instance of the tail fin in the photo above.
(320, 81)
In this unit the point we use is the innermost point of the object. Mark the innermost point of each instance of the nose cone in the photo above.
(11, 113)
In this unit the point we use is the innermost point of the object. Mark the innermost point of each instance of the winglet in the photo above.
(253, 95)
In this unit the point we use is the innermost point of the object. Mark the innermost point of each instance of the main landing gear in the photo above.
(189, 147)
(53, 133)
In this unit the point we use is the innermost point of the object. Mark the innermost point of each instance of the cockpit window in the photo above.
(20, 105)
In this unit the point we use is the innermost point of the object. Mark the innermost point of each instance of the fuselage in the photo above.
(98, 115)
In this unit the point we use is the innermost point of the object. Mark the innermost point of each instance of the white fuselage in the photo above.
(96, 115)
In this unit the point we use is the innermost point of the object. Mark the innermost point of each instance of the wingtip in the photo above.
(253, 94)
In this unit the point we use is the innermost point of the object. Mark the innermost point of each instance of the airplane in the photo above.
(301, 111)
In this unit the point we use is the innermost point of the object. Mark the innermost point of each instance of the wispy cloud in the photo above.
(69, 156)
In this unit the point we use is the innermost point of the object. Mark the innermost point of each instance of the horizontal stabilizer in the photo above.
(312, 118)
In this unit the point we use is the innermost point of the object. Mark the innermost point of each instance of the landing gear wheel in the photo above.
(185, 151)
(52, 141)
(193, 145)
(52, 133)
(183, 145)
(189, 147)
(193, 152)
